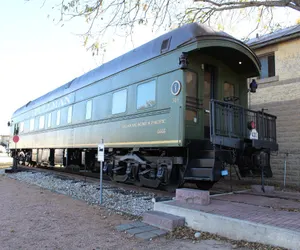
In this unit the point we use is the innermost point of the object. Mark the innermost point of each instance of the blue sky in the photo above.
(37, 56)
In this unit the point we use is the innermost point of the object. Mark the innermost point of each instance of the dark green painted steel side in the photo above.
(137, 128)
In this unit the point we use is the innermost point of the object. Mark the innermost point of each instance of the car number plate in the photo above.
(254, 134)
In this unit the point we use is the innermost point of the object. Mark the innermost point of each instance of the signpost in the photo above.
(15, 140)
(101, 159)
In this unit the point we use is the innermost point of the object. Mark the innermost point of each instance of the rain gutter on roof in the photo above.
(258, 45)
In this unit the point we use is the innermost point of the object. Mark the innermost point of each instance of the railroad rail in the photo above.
(217, 192)
(90, 177)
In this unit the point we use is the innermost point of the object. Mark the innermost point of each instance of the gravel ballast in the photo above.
(115, 198)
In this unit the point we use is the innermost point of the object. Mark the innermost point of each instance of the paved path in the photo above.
(266, 210)
(272, 211)
(34, 218)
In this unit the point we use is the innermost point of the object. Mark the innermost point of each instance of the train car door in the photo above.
(209, 92)
(193, 106)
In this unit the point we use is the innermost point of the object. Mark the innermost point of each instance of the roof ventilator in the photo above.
(165, 45)
(69, 84)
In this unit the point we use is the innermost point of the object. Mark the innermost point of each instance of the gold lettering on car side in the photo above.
(144, 123)
(161, 131)
(175, 99)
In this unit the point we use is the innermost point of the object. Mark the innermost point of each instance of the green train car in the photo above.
(173, 110)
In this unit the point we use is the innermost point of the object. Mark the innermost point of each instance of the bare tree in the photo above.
(108, 17)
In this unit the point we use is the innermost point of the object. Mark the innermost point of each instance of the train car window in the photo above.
(146, 95)
(119, 102)
(228, 89)
(191, 96)
(42, 122)
(16, 129)
(21, 127)
(31, 127)
(88, 110)
(191, 84)
(49, 120)
(58, 117)
(70, 114)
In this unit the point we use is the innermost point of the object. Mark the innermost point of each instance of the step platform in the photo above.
(163, 220)
(193, 196)
(141, 230)
(154, 224)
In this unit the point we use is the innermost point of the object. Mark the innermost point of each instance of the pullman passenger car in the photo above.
(169, 111)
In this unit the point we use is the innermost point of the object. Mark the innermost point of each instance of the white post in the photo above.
(15, 164)
(284, 173)
(101, 159)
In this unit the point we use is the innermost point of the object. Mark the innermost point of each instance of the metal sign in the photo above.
(16, 139)
(15, 163)
(253, 134)
(176, 87)
(101, 159)
(101, 152)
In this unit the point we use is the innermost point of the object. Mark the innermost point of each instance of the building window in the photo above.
(88, 110)
(119, 101)
(49, 120)
(146, 95)
(31, 128)
(42, 122)
(21, 127)
(58, 117)
(70, 114)
(267, 66)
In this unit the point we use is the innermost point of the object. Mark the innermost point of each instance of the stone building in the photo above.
(279, 92)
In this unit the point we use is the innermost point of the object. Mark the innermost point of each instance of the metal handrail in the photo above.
(230, 120)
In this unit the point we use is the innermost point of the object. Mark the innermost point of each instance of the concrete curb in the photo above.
(233, 228)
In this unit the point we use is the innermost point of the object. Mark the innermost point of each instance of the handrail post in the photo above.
(274, 125)
(263, 123)
(212, 118)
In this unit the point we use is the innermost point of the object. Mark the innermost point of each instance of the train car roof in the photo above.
(149, 50)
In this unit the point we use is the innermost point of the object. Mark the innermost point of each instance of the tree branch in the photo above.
(294, 4)
(120, 17)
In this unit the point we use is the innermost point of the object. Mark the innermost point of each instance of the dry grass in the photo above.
(188, 233)
(5, 165)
